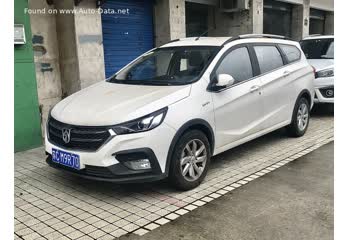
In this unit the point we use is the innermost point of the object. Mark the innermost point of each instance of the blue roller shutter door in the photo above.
(126, 36)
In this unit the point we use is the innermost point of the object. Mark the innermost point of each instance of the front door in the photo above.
(238, 108)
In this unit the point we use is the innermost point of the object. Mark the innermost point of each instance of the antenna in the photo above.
(197, 38)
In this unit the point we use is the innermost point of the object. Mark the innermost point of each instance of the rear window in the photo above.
(292, 53)
(318, 48)
(269, 58)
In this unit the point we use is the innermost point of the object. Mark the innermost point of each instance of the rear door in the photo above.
(276, 75)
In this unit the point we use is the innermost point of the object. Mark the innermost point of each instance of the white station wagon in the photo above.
(169, 111)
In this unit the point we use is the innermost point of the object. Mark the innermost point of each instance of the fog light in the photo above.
(139, 164)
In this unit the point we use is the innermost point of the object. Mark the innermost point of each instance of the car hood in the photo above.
(108, 103)
(320, 64)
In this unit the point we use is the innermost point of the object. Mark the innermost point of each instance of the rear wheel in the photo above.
(190, 160)
(300, 119)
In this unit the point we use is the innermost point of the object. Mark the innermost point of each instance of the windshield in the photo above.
(168, 66)
(318, 48)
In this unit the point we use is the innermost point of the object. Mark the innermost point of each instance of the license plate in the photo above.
(65, 158)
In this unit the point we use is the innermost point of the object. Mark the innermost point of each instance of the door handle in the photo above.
(254, 88)
(286, 73)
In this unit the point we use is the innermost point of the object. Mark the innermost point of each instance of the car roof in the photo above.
(220, 41)
(192, 41)
(311, 37)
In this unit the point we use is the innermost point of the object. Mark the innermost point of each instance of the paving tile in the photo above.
(75, 234)
(162, 221)
(151, 226)
(181, 211)
(88, 229)
(31, 236)
(172, 216)
(130, 227)
(190, 207)
(118, 233)
(97, 234)
(46, 199)
(107, 237)
(141, 232)
(121, 223)
(142, 222)
(199, 203)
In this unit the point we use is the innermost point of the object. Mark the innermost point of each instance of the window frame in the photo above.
(284, 59)
(253, 62)
(285, 56)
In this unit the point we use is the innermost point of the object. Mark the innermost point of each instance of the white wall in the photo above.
(327, 5)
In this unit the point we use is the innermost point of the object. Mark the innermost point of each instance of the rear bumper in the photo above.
(118, 172)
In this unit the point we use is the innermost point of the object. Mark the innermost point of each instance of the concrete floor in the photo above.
(293, 202)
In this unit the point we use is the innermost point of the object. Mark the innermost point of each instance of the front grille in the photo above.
(327, 92)
(83, 138)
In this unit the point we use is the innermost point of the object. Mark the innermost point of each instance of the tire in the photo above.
(197, 164)
(302, 112)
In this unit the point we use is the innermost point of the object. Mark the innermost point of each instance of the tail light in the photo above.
(314, 70)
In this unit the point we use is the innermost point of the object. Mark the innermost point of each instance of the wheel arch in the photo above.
(198, 124)
(306, 94)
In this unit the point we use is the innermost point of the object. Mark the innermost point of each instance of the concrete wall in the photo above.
(236, 23)
(69, 65)
(301, 20)
(169, 20)
(81, 46)
(68, 51)
(46, 57)
(88, 31)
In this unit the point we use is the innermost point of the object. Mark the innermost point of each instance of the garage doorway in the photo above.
(126, 36)
(277, 18)
(196, 19)
(317, 21)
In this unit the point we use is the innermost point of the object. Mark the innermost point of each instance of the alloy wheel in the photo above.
(302, 116)
(193, 160)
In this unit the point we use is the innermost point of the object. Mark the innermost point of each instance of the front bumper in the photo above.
(117, 172)
(106, 164)
(324, 94)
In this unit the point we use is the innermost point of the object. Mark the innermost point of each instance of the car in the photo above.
(319, 50)
(170, 110)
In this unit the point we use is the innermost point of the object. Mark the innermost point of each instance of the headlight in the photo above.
(142, 124)
(325, 73)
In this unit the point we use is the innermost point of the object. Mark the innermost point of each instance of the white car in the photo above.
(169, 111)
(319, 50)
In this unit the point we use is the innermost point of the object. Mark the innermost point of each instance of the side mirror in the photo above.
(224, 80)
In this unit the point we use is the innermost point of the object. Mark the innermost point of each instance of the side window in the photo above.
(237, 64)
(269, 58)
(292, 53)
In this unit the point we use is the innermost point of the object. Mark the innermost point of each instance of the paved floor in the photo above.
(293, 202)
(50, 204)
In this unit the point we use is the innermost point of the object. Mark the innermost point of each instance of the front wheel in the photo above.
(300, 119)
(190, 160)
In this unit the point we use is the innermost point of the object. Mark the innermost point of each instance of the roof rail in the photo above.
(174, 40)
(261, 36)
(314, 35)
(245, 36)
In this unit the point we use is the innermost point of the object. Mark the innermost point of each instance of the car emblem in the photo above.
(66, 135)
(329, 93)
